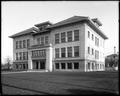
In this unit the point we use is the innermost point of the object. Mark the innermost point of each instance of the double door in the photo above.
(39, 64)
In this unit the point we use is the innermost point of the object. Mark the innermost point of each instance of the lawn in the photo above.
(66, 83)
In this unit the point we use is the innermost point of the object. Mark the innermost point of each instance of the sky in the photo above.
(20, 15)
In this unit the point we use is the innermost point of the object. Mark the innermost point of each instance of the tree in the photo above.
(8, 62)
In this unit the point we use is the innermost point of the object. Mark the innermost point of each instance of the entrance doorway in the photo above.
(42, 64)
(39, 64)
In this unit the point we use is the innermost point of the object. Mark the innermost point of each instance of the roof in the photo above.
(111, 55)
(68, 21)
(27, 31)
(44, 23)
(75, 19)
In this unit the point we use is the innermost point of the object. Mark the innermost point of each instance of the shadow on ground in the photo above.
(27, 89)
(88, 92)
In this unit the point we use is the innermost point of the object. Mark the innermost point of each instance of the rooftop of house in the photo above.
(70, 20)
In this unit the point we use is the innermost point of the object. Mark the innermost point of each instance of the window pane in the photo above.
(76, 35)
(69, 65)
(69, 36)
(69, 49)
(63, 52)
(46, 39)
(42, 40)
(62, 65)
(16, 44)
(76, 65)
(56, 38)
(24, 44)
(63, 37)
(76, 51)
(56, 52)
(16, 56)
(20, 44)
(28, 42)
(88, 65)
(57, 66)
(38, 41)
(92, 37)
(88, 34)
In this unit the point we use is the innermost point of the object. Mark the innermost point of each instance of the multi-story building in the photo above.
(74, 44)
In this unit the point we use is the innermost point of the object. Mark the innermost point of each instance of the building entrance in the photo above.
(39, 64)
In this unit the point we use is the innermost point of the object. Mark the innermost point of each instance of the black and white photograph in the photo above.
(59, 47)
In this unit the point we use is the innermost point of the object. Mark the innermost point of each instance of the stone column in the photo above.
(49, 58)
(30, 64)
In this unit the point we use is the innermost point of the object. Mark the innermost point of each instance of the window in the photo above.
(63, 37)
(62, 65)
(63, 52)
(76, 35)
(56, 52)
(24, 55)
(88, 34)
(89, 66)
(42, 40)
(56, 38)
(46, 39)
(20, 44)
(16, 44)
(57, 66)
(16, 56)
(28, 43)
(76, 51)
(69, 65)
(69, 49)
(96, 41)
(24, 44)
(38, 41)
(20, 54)
(88, 50)
(92, 51)
(76, 65)
(96, 54)
(92, 65)
(92, 37)
(69, 36)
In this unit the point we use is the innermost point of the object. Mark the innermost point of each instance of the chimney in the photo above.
(114, 50)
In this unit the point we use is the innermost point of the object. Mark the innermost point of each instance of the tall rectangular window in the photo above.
(69, 65)
(57, 66)
(42, 40)
(76, 51)
(62, 65)
(57, 38)
(16, 44)
(63, 52)
(69, 49)
(96, 54)
(24, 43)
(20, 44)
(24, 55)
(88, 34)
(88, 50)
(16, 56)
(92, 51)
(76, 35)
(46, 39)
(92, 37)
(20, 54)
(89, 66)
(63, 37)
(69, 36)
(38, 41)
(56, 52)
(28, 43)
(76, 65)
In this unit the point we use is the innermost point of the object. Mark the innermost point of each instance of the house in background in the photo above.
(112, 61)
(74, 44)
